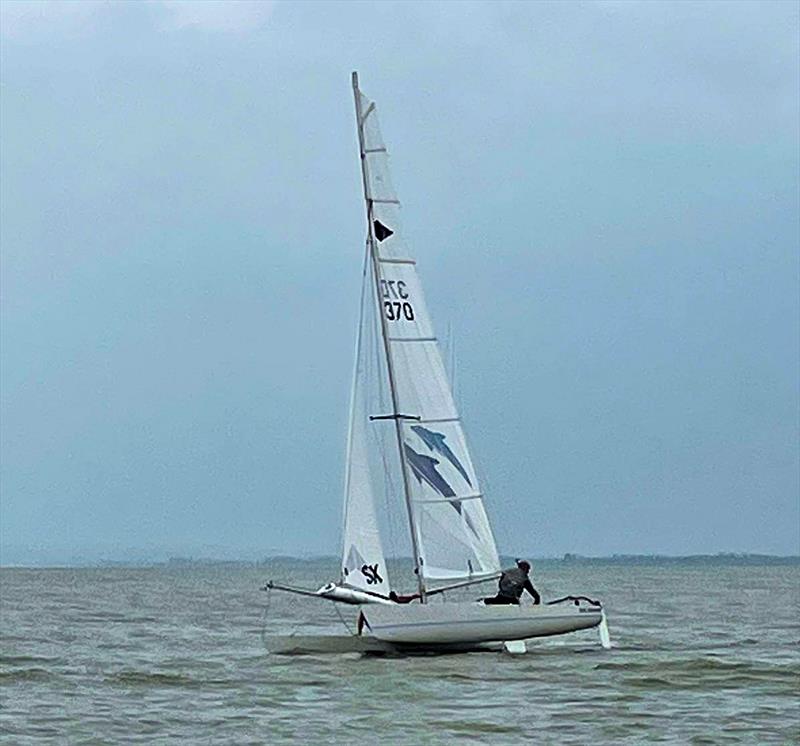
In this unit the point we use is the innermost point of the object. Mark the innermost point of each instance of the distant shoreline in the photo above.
(722, 558)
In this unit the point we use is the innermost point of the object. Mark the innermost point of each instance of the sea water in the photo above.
(704, 653)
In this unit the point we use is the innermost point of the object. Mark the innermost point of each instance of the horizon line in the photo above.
(184, 560)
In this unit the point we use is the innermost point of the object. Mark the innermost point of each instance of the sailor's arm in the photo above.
(529, 587)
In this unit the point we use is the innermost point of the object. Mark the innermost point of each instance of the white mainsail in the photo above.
(449, 525)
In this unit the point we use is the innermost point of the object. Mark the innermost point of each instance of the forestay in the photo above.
(452, 531)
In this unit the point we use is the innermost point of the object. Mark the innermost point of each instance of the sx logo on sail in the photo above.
(370, 572)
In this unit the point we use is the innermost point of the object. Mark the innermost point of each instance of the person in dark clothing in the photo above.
(513, 583)
(398, 599)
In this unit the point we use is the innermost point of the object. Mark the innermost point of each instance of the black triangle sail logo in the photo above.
(381, 231)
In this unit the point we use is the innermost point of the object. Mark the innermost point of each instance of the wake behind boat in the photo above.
(406, 447)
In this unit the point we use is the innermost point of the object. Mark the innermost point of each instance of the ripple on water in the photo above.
(26, 674)
(707, 665)
(163, 679)
(472, 727)
(156, 657)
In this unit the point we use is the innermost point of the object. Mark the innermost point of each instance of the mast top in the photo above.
(355, 80)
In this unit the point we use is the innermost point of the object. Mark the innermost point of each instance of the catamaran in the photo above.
(406, 447)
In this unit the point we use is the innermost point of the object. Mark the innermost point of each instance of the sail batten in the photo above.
(397, 261)
(460, 498)
(413, 339)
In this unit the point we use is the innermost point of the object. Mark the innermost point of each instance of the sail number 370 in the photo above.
(396, 304)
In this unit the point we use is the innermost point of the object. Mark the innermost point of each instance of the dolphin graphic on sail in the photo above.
(424, 468)
(435, 442)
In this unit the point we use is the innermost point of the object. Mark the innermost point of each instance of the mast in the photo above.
(386, 346)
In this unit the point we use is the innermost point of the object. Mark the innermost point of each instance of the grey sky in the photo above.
(603, 198)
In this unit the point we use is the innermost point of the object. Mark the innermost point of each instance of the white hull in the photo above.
(456, 623)
(321, 644)
(353, 596)
(364, 644)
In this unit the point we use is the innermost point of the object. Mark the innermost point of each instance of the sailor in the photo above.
(512, 584)
(399, 599)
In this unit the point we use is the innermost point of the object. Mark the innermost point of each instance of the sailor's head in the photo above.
(524, 565)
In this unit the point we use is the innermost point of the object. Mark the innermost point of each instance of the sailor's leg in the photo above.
(499, 599)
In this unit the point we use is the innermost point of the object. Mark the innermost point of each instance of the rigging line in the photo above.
(341, 619)
(351, 418)
(501, 530)
(445, 347)
(453, 361)
(575, 599)
(264, 615)
(388, 499)
(369, 111)
(465, 583)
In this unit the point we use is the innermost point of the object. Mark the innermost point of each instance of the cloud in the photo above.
(19, 17)
(26, 17)
(217, 15)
